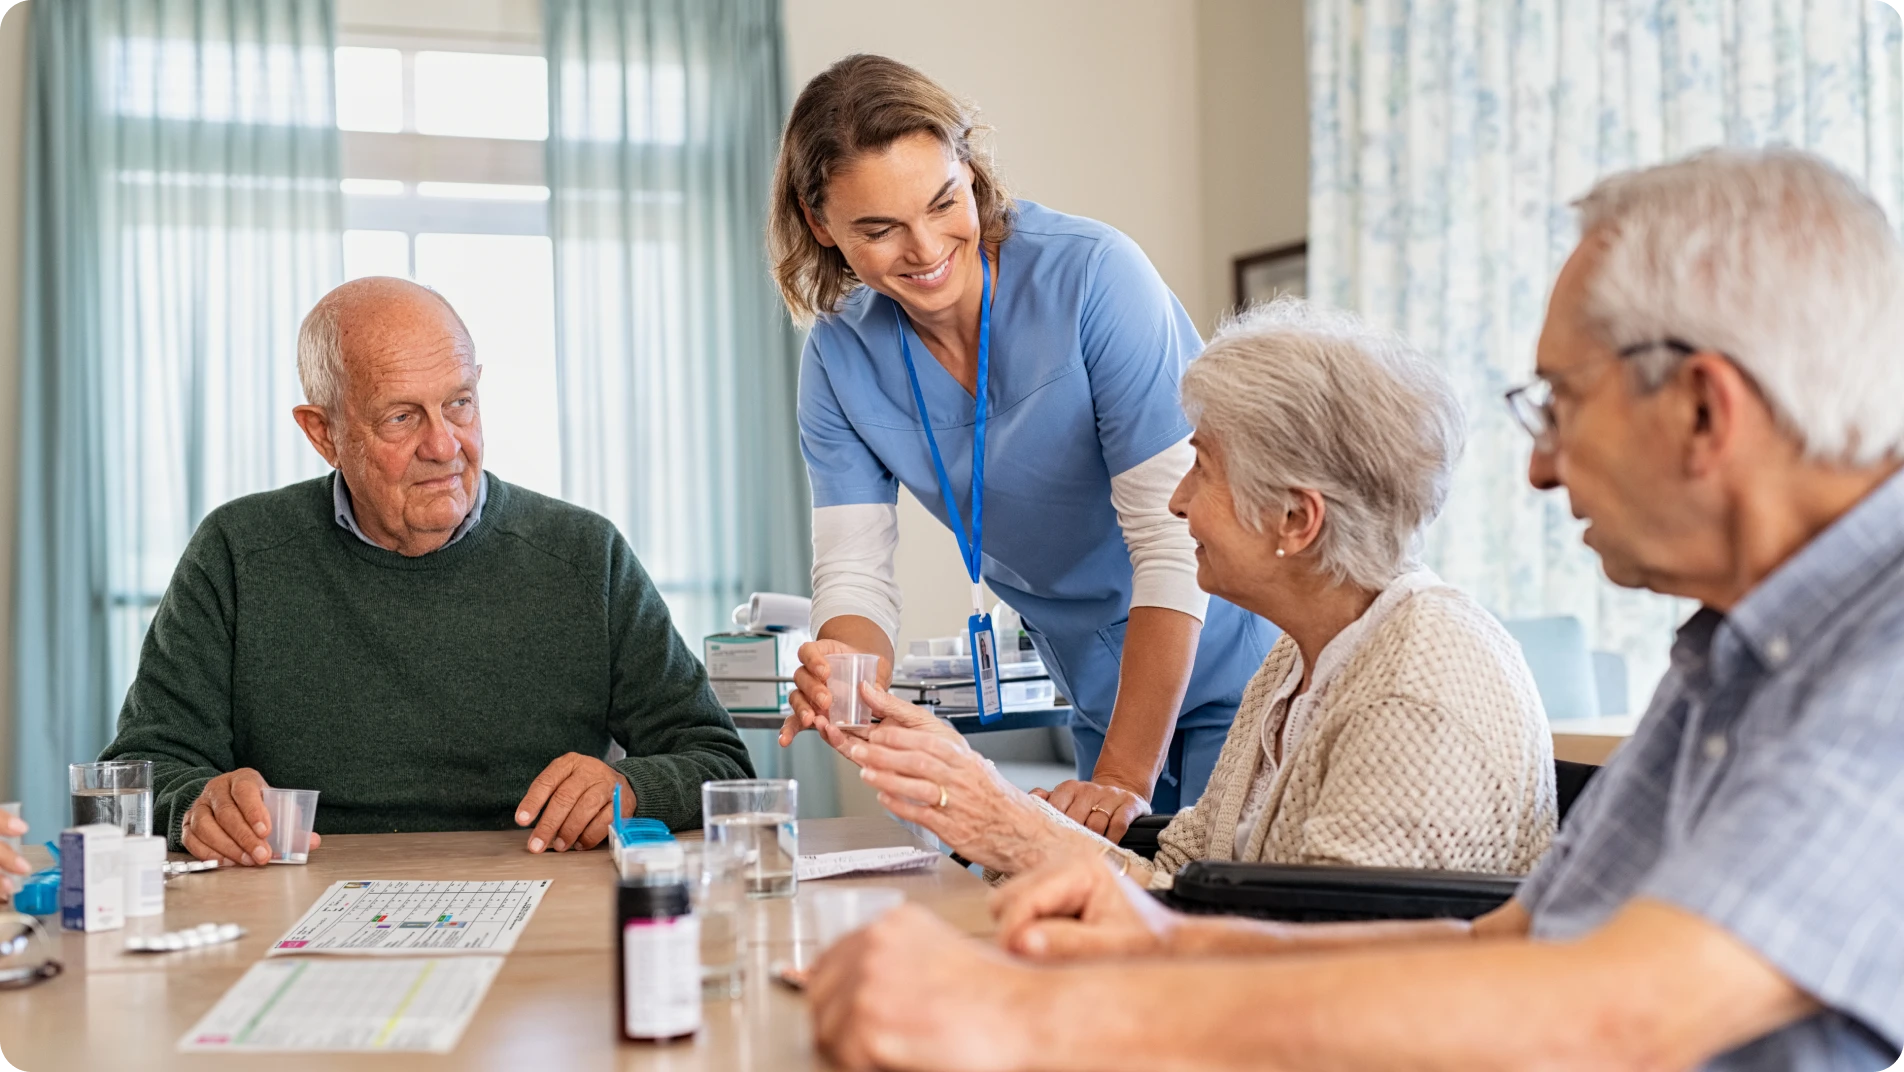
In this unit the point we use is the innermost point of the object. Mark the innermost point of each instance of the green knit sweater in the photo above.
(418, 693)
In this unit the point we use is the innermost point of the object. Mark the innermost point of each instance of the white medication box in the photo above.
(92, 890)
(760, 656)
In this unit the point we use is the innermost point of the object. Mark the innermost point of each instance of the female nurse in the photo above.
(1016, 369)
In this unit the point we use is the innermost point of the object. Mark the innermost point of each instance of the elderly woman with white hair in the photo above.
(1395, 724)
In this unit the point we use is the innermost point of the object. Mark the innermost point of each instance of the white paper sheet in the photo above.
(317, 1006)
(410, 917)
(857, 861)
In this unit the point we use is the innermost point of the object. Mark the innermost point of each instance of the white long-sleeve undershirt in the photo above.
(853, 548)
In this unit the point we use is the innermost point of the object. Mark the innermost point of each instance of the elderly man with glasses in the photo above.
(1721, 395)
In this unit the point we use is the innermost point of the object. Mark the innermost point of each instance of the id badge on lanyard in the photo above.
(985, 666)
(979, 626)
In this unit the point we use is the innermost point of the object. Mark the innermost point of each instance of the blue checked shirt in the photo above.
(1764, 792)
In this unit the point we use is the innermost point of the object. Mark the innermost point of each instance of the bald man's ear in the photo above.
(317, 428)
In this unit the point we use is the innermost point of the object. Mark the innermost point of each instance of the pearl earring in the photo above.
(1279, 552)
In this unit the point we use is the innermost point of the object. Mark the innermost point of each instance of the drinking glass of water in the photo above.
(717, 895)
(754, 820)
(118, 794)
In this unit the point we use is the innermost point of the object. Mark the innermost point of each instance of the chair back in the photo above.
(1570, 780)
(1556, 651)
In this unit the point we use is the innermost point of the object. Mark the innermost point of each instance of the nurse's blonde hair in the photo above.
(863, 104)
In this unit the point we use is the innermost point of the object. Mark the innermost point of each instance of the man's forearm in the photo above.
(1221, 936)
(1655, 989)
(1160, 649)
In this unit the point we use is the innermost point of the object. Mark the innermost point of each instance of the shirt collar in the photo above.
(1790, 608)
(347, 517)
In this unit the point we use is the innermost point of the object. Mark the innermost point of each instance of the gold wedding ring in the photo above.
(1095, 807)
(943, 797)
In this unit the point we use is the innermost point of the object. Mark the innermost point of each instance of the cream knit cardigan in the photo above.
(1429, 750)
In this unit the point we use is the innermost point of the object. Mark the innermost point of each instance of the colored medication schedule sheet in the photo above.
(407, 917)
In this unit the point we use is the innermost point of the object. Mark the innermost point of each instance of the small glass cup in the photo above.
(716, 892)
(844, 675)
(833, 912)
(755, 819)
(293, 814)
(116, 793)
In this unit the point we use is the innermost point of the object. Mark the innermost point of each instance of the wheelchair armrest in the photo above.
(1309, 893)
(1141, 838)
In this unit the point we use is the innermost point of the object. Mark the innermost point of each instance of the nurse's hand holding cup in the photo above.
(812, 699)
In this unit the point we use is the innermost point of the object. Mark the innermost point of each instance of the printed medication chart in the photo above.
(378, 1006)
(407, 917)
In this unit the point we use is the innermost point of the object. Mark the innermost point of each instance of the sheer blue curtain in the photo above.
(182, 212)
(676, 364)
(1450, 136)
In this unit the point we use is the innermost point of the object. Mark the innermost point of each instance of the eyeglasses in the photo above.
(27, 934)
(1532, 403)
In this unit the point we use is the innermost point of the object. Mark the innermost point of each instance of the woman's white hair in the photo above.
(1774, 258)
(1296, 396)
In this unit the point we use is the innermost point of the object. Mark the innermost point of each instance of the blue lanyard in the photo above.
(970, 549)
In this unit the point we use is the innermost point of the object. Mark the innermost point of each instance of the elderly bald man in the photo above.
(428, 646)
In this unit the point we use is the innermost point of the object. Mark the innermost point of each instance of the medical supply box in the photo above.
(92, 891)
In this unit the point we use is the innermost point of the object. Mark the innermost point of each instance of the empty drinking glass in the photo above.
(754, 819)
(117, 793)
(833, 912)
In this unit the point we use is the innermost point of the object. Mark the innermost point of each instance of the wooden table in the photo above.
(551, 1007)
(1592, 740)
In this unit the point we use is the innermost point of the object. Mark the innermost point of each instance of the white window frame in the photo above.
(410, 158)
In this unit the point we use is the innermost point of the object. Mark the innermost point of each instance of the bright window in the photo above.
(482, 95)
(444, 185)
(370, 89)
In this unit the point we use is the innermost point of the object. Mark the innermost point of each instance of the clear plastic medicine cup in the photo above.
(844, 675)
(293, 813)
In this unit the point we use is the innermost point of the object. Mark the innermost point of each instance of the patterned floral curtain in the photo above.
(1449, 138)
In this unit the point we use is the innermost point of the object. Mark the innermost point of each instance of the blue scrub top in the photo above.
(1088, 345)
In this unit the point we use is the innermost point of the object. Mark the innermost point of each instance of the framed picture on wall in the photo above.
(1266, 273)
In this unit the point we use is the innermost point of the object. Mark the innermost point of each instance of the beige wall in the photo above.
(1255, 135)
(1095, 107)
(13, 38)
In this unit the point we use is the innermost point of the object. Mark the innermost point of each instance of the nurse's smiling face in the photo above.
(1231, 557)
(905, 220)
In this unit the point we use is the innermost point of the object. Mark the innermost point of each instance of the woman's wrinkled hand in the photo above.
(926, 773)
